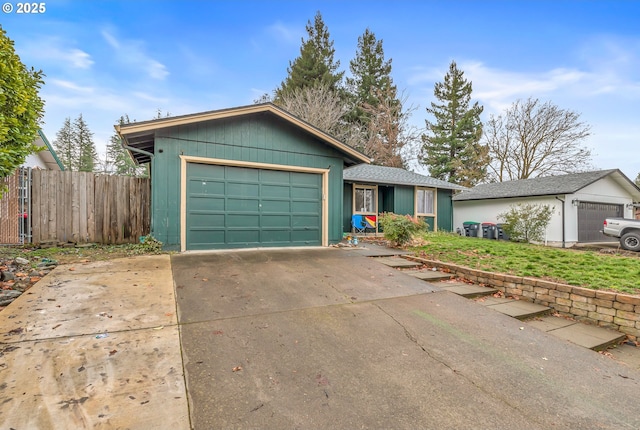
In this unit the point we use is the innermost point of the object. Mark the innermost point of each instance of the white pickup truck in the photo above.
(627, 230)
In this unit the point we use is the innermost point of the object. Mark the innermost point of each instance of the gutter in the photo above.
(563, 222)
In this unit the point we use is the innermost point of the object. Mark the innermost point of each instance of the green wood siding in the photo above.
(445, 210)
(260, 138)
(403, 200)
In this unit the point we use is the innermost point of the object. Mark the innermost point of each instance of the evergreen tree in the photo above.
(451, 147)
(315, 64)
(119, 161)
(370, 78)
(65, 146)
(83, 137)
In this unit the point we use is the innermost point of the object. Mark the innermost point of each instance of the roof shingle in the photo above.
(549, 185)
(394, 176)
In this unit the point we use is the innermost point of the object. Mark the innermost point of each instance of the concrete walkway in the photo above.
(313, 338)
(586, 335)
(94, 346)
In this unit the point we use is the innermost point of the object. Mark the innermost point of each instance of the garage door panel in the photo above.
(198, 238)
(276, 190)
(206, 171)
(207, 203)
(299, 178)
(243, 189)
(277, 206)
(306, 207)
(282, 236)
(238, 204)
(310, 221)
(242, 220)
(205, 187)
(248, 237)
(252, 207)
(305, 192)
(241, 174)
(201, 219)
(280, 221)
(303, 236)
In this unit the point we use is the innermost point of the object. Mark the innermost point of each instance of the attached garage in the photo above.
(246, 177)
(238, 207)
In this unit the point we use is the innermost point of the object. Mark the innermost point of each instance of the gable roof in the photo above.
(394, 176)
(48, 155)
(140, 136)
(549, 185)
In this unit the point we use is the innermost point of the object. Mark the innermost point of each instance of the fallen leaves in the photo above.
(237, 369)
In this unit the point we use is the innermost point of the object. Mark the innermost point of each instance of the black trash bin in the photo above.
(471, 228)
(489, 230)
(500, 233)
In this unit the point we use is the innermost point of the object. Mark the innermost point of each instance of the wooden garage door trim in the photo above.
(184, 159)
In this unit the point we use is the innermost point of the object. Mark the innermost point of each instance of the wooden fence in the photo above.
(10, 210)
(83, 207)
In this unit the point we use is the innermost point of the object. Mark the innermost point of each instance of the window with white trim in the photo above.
(364, 198)
(425, 201)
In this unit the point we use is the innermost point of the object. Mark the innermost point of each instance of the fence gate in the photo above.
(15, 208)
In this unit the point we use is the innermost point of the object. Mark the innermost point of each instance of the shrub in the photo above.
(526, 222)
(399, 229)
(149, 245)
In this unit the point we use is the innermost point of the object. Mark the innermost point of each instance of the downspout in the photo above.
(151, 158)
(563, 237)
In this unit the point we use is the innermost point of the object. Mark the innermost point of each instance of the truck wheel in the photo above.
(631, 241)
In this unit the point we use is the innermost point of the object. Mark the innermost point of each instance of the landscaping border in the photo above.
(607, 309)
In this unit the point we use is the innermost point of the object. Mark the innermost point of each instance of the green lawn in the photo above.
(589, 269)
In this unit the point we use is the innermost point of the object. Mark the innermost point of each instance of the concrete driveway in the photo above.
(327, 338)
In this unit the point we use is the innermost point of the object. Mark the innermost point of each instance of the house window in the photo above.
(364, 199)
(424, 201)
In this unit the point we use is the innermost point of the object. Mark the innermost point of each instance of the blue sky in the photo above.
(105, 59)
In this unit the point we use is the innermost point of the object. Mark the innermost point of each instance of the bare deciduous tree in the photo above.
(389, 138)
(536, 139)
(323, 108)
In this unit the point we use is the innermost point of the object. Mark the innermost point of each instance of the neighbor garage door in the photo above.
(590, 218)
(239, 207)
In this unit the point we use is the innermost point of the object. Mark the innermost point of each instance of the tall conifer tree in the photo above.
(315, 64)
(65, 146)
(451, 147)
(370, 78)
(87, 153)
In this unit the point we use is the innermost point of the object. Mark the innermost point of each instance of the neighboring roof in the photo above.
(47, 156)
(141, 135)
(549, 185)
(394, 176)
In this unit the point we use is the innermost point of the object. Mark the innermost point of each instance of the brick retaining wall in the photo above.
(604, 308)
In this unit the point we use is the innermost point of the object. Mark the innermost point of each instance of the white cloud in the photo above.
(71, 86)
(283, 33)
(132, 54)
(148, 97)
(79, 59)
(54, 50)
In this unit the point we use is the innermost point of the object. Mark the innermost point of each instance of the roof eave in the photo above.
(149, 127)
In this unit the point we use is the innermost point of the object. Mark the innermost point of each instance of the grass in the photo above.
(589, 269)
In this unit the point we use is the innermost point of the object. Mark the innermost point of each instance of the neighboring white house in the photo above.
(580, 202)
(45, 159)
